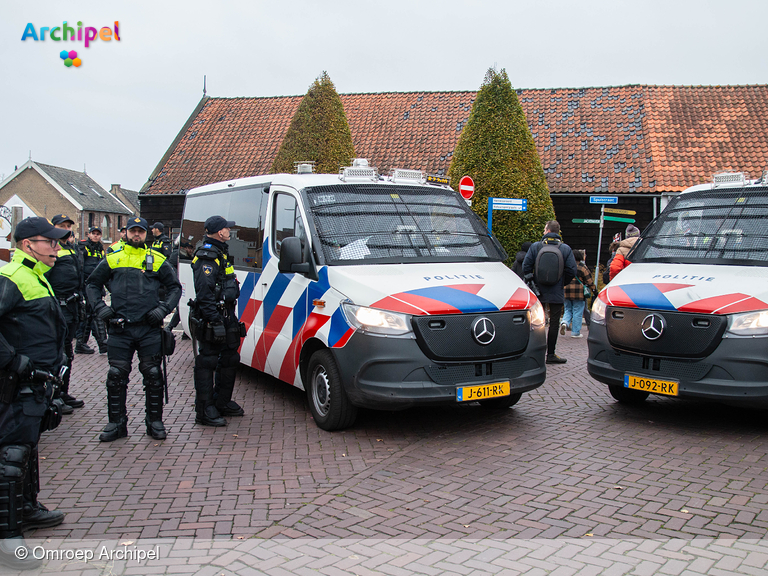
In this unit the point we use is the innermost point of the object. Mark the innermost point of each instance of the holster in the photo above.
(9, 386)
(51, 418)
(169, 341)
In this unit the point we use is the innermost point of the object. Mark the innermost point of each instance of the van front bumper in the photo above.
(736, 372)
(393, 373)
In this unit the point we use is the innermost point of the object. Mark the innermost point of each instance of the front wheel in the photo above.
(503, 402)
(627, 396)
(328, 401)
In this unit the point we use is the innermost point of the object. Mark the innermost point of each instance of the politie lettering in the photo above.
(66, 33)
(685, 277)
(455, 277)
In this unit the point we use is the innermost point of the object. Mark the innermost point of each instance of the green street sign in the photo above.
(619, 219)
(585, 221)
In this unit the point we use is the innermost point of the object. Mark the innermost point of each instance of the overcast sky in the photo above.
(120, 110)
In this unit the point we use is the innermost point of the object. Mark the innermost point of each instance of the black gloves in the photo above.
(105, 313)
(219, 333)
(155, 316)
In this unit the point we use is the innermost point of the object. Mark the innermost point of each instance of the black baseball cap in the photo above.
(39, 226)
(216, 223)
(159, 226)
(59, 218)
(137, 223)
(93, 229)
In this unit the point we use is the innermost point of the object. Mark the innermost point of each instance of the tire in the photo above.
(627, 396)
(503, 402)
(328, 401)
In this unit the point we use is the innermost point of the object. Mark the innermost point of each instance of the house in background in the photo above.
(44, 190)
(641, 143)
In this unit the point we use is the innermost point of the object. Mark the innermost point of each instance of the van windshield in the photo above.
(382, 223)
(709, 227)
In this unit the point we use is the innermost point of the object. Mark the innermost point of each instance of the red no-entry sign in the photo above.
(466, 187)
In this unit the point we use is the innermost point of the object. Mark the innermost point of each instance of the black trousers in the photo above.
(70, 312)
(555, 314)
(216, 368)
(123, 343)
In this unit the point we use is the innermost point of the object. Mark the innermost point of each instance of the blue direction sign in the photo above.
(603, 199)
(517, 204)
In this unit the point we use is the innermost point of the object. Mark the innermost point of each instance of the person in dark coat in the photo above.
(517, 267)
(552, 295)
(575, 299)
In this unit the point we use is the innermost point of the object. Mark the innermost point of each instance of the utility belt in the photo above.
(73, 299)
(11, 386)
(204, 330)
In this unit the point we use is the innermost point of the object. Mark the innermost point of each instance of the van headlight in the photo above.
(598, 311)
(748, 323)
(537, 316)
(378, 322)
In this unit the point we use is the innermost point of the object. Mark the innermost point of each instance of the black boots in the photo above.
(117, 393)
(154, 420)
(14, 552)
(206, 412)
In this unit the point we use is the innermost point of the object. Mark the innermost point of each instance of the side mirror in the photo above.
(291, 259)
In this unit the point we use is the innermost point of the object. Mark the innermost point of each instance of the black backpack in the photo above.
(549, 265)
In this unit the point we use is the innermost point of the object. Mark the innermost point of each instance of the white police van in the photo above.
(371, 291)
(689, 317)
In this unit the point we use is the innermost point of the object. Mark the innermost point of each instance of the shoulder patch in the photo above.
(207, 269)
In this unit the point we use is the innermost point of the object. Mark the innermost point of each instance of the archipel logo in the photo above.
(66, 33)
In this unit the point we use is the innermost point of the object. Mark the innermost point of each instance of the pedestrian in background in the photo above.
(552, 294)
(517, 267)
(159, 240)
(607, 270)
(577, 293)
(620, 261)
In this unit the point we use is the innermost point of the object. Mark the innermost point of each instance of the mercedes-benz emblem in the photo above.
(483, 331)
(653, 326)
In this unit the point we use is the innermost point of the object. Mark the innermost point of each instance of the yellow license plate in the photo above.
(474, 393)
(666, 387)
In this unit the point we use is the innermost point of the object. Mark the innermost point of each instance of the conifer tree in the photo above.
(318, 132)
(497, 150)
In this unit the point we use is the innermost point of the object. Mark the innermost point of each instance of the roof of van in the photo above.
(297, 181)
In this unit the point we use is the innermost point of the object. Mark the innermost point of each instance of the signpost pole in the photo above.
(599, 241)
(490, 214)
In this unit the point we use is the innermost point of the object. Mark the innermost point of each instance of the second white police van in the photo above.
(368, 291)
(689, 317)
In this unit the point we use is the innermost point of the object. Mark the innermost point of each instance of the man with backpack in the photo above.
(552, 265)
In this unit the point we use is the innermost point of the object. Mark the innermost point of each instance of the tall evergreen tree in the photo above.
(318, 131)
(497, 150)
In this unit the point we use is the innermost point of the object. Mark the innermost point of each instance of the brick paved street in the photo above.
(566, 463)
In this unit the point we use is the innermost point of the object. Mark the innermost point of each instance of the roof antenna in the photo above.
(84, 172)
(30, 155)
(204, 85)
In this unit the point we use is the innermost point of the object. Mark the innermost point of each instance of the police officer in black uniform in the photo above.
(93, 255)
(160, 241)
(66, 278)
(217, 328)
(135, 273)
(32, 331)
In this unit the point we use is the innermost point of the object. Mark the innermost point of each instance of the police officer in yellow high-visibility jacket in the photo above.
(32, 330)
(135, 273)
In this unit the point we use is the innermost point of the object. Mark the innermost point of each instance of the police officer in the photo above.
(66, 279)
(161, 242)
(32, 331)
(93, 254)
(135, 273)
(217, 327)
(123, 234)
(186, 250)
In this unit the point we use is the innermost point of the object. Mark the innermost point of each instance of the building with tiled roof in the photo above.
(641, 143)
(44, 190)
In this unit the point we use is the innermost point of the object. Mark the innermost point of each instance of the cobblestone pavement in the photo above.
(567, 468)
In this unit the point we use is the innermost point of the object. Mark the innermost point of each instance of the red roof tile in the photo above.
(614, 140)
